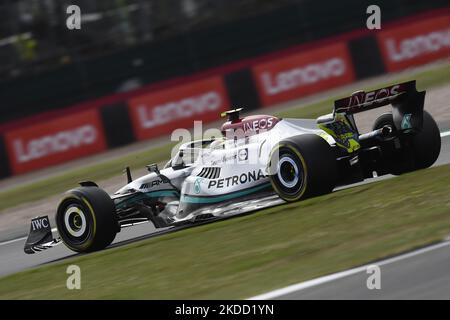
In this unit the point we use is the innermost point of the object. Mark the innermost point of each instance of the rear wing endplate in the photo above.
(407, 104)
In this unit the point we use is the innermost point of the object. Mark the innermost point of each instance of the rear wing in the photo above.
(407, 104)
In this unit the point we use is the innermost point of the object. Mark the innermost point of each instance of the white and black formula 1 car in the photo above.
(256, 156)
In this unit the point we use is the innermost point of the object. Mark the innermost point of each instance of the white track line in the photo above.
(19, 239)
(443, 134)
(12, 241)
(335, 276)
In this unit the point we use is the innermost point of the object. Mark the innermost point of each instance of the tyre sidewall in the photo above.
(101, 219)
(288, 149)
(427, 143)
(319, 166)
(91, 223)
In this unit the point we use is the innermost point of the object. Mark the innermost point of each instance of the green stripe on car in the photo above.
(214, 199)
(151, 194)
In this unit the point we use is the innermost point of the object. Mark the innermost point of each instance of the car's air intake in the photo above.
(210, 173)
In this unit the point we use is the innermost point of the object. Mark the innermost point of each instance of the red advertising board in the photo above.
(415, 44)
(304, 73)
(55, 141)
(161, 112)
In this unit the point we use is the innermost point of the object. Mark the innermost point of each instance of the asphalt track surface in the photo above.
(420, 274)
(423, 275)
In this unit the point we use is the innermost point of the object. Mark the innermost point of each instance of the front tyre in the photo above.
(302, 166)
(86, 219)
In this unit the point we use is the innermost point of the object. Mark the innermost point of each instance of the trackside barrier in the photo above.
(303, 73)
(276, 78)
(55, 141)
(158, 113)
(5, 169)
(415, 44)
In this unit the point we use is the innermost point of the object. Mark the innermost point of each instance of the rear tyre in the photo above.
(416, 152)
(86, 219)
(302, 166)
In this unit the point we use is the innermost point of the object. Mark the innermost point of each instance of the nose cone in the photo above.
(140, 184)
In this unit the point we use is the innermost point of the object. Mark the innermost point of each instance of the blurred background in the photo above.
(127, 48)
(78, 105)
(126, 43)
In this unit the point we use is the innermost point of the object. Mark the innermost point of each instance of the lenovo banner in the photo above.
(415, 44)
(55, 141)
(163, 111)
(304, 73)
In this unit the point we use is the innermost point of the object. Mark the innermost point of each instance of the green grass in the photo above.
(249, 255)
(107, 169)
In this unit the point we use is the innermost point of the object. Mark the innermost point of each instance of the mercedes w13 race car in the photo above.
(255, 157)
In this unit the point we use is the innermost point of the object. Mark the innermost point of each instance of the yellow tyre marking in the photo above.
(305, 174)
(91, 212)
